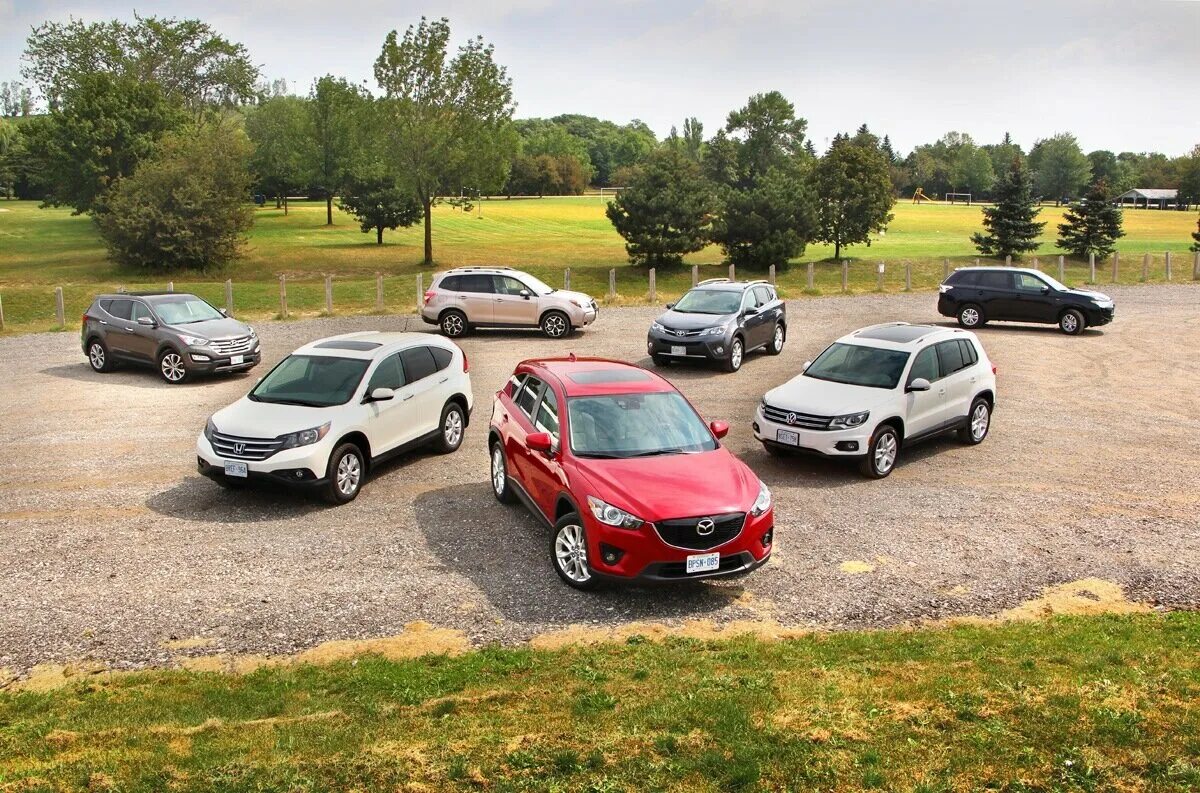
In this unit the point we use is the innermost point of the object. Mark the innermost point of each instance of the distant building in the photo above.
(1149, 198)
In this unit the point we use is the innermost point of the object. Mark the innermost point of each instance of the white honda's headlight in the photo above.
(612, 516)
(763, 502)
(304, 437)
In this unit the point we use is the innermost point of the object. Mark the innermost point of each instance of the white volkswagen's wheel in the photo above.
(347, 471)
(882, 453)
(979, 421)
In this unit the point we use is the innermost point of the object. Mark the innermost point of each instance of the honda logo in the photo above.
(238, 448)
(705, 527)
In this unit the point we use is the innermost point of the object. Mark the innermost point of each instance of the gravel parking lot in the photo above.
(112, 547)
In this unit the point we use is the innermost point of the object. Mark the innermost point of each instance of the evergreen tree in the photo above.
(854, 193)
(888, 151)
(1011, 223)
(1091, 226)
(665, 211)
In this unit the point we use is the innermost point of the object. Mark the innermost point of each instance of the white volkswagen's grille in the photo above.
(793, 419)
(238, 346)
(239, 448)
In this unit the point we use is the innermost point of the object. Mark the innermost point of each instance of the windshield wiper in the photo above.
(299, 402)
(654, 452)
(601, 455)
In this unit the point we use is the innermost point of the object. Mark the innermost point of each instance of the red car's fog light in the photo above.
(767, 537)
(610, 554)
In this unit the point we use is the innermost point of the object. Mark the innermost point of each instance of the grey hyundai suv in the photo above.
(178, 334)
(719, 320)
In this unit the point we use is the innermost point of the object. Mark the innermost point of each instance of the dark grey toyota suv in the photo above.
(178, 334)
(719, 320)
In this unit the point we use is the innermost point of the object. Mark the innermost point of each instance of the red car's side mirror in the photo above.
(539, 442)
(719, 428)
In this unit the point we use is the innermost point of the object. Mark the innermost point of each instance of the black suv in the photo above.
(719, 320)
(177, 333)
(975, 295)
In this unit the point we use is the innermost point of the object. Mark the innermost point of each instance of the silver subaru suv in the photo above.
(501, 297)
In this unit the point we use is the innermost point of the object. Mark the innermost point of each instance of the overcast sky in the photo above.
(1120, 75)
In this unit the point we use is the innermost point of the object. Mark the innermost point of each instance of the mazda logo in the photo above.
(238, 448)
(705, 527)
(791, 418)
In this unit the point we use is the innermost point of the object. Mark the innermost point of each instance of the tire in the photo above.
(172, 367)
(979, 421)
(661, 360)
(777, 339)
(1071, 322)
(347, 470)
(971, 316)
(568, 553)
(453, 323)
(556, 324)
(882, 453)
(98, 356)
(737, 351)
(501, 488)
(453, 427)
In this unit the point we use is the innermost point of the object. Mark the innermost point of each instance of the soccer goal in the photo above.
(954, 198)
(610, 191)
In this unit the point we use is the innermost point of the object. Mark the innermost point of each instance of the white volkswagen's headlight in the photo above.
(304, 437)
(763, 502)
(193, 341)
(849, 421)
(612, 516)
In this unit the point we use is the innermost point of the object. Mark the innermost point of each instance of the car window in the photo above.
(140, 310)
(856, 364)
(121, 309)
(527, 397)
(106, 305)
(964, 278)
(508, 286)
(451, 283)
(970, 357)
(441, 357)
(547, 414)
(763, 295)
(994, 279)
(925, 365)
(636, 425)
(949, 357)
(311, 381)
(516, 381)
(481, 284)
(184, 310)
(387, 375)
(1029, 283)
(709, 301)
(418, 363)
(748, 300)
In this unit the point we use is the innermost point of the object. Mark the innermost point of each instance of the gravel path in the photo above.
(111, 546)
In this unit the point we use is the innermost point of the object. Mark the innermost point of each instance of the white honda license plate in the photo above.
(678, 350)
(236, 469)
(703, 563)
(787, 436)
(234, 360)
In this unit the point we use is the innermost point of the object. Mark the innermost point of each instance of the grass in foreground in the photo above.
(1097, 703)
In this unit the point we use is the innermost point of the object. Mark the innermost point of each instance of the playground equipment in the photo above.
(920, 196)
(952, 197)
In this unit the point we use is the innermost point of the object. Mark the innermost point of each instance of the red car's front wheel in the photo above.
(568, 553)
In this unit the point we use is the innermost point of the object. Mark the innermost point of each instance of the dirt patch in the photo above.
(854, 567)
(657, 631)
(190, 643)
(1086, 597)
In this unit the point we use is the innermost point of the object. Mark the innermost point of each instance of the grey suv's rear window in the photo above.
(121, 309)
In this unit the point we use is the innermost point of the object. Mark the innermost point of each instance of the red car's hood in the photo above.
(672, 486)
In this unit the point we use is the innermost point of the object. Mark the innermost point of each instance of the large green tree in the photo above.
(285, 150)
(1091, 226)
(1011, 224)
(854, 193)
(378, 202)
(1060, 167)
(184, 208)
(444, 115)
(339, 113)
(665, 211)
(10, 146)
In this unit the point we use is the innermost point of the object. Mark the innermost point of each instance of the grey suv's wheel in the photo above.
(501, 488)
(98, 356)
(882, 453)
(979, 421)
(556, 324)
(569, 554)
(736, 352)
(453, 323)
(777, 339)
(1071, 322)
(970, 316)
(346, 472)
(172, 367)
(453, 425)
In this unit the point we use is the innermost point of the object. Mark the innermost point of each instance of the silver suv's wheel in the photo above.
(453, 324)
(172, 367)
(569, 553)
(1071, 322)
(979, 421)
(970, 316)
(882, 453)
(555, 324)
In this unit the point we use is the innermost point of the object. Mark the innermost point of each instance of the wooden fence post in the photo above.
(170, 286)
(228, 295)
(1145, 267)
(567, 279)
(1116, 266)
(879, 277)
(1008, 260)
(59, 311)
(1, 313)
(771, 275)
(420, 290)
(379, 292)
(732, 272)
(976, 261)
(653, 287)
(1196, 266)
(845, 275)
(1061, 265)
(695, 274)
(612, 283)
(1036, 265)
(1168, 265)
(328, 294)
(908, 276)
(810, 276)
(945, 269)
(283, 312)
(1091, 267)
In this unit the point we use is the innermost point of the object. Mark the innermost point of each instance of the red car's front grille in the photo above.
(695, 534)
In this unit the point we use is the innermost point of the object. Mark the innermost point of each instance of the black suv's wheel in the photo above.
(501, 488)
(556, 324)
(172, 366)
(661, 360)
(1071, 322)
(970, 316)
(453, 425)
(453, 323)
(98, 356)
(737, 351)
(346, 472)
(882, 453)
(777, 339)
(569, 554)
(979, 421)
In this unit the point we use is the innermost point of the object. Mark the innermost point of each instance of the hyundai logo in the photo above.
(791, 418)
(705, 527)
(238, 448)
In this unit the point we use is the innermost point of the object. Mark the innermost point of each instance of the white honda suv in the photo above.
(332, 409)
(878, 390)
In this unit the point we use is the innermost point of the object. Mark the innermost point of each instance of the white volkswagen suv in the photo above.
(333, 408)
(879, 389)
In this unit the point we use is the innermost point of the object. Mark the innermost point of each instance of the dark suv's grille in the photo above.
(239, 448)
(687, 532)
(793, 419)
(680, 333)
(232, 346)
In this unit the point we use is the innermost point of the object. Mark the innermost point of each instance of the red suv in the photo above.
(634, 483)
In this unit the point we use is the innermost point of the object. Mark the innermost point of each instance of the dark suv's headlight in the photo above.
(304, 437)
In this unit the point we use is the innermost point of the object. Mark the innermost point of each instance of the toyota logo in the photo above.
(791, 418)
(705, 527)
(238, 448)
(681, 333)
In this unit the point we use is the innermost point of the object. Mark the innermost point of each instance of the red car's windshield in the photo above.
(636, 425)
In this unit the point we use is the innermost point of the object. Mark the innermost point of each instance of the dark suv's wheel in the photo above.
(454, 423)
(453, 323)
(172, 366)
(1071, 322)
(346, 472)
(556, 324)
(501, 488)
(737, 351)
(569, 554)
(777, 339)
(970, 316)
(882, 453)
(979, 421)
(98, 356)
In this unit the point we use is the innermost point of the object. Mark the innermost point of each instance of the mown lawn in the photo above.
(1084, 703)
(44, 248)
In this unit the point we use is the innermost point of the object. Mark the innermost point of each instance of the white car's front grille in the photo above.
(791, 418)
(239, 448)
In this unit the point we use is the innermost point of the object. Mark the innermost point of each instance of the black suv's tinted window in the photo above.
(1029, 283)
(994, 279)
(528, 395)
(121, 309)
(762, 295)
(962, 278)
(418, 363)
(476, 283)
(949, 357)
(968, 352)
(387, 375)
(441, 358)
(925, 365)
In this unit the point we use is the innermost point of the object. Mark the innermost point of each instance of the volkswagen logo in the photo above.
(791, 418)
(238, 448)
(705, 527)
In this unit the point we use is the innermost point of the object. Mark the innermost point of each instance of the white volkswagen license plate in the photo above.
(236, 469)
(703, 563)
(678, 350)
(234, 360)
(786, 436)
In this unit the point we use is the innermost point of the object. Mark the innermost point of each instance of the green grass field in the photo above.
(1074, 704)
(44, 248)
